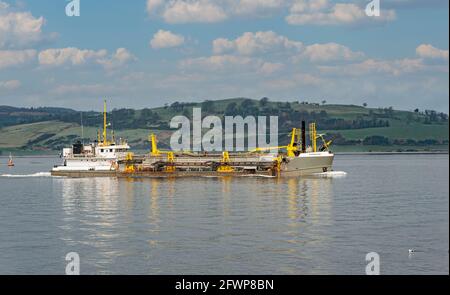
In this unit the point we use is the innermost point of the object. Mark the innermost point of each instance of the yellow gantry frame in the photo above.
(156, 152)
(313, 136)
(171, 160)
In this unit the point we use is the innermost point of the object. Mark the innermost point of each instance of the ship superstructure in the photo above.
(99, 156)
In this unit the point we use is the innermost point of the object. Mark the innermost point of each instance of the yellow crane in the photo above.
(156, 152)
(292, 148)
(225, 164)
(129, 166)
(325, 144)
(314, 137)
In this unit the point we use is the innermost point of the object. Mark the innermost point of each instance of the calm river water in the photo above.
(386, 203)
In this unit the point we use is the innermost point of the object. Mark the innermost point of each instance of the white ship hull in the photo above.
(308, 164)
(91, 164)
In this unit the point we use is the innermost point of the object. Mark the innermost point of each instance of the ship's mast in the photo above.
(105, 140)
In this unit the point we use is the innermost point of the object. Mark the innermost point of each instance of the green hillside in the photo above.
(353, 128)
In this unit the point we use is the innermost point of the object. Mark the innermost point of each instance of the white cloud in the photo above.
(429, 51)
(11, 58)
(251, 7)
(321, 12)
(230, 63)
(273, 45)
(269, 68)
(10, 84)
(120, 58)
(330, 52)
(392, 67)
(318, 12)
(198, 11)
(210, 11)
(69, 56)
(72, 56)
(19, 29)
(251, 43)
(152, 5)
(166, 39)
(308, 6)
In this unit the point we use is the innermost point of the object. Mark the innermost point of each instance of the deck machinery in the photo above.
(294, 159)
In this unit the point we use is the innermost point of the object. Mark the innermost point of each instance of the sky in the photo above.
(147, 53)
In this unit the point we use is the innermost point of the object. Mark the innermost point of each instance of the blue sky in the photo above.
(146, 53)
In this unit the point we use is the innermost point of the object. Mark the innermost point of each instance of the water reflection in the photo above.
(154, 198)
(158, 216)
(88, 194)
(90, 222)
(227, 225)
(226, 191)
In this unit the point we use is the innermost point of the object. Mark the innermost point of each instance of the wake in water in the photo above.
(259, 175)
(332, 174)
(38, 174)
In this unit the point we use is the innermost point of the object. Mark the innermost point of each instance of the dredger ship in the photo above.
(108, 158)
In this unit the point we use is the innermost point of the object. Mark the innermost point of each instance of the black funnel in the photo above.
(303, 136)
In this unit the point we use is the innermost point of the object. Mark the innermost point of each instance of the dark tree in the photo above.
(264, 101)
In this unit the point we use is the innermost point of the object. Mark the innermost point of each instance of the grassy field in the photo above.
(19, 135)
(42, 137)
(387, 149)
(398, 130)
(16, 138)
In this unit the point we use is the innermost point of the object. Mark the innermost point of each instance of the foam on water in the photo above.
(260, 175)
(38, 174)
(332, 174)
